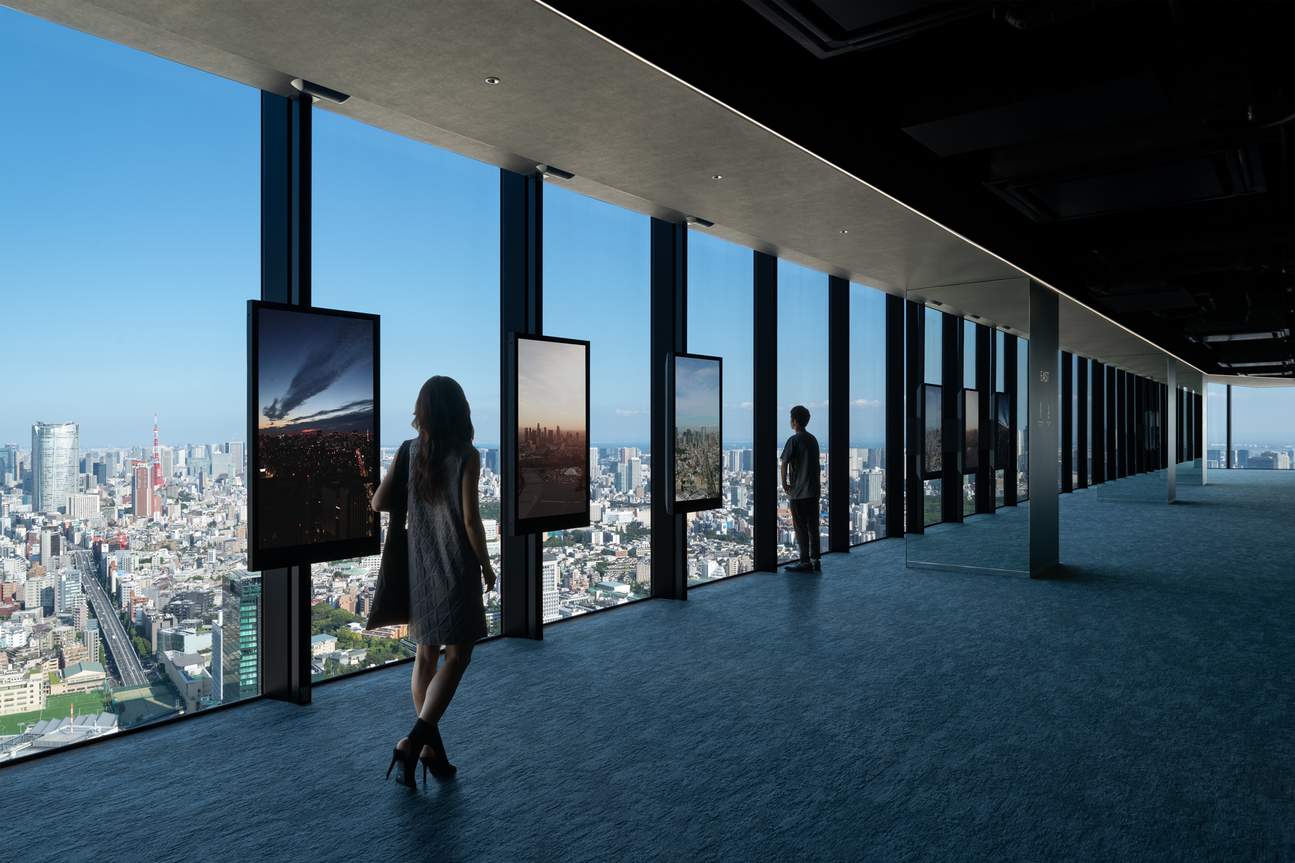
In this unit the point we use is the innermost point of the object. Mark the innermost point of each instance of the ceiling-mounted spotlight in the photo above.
(699, 221)
(717, 176)
(845, 231)
(492, 80)
(319, 91)
(556, 173)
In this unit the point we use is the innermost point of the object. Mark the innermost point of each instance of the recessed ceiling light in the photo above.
(492, 80)
(845, 230)
(717, 176)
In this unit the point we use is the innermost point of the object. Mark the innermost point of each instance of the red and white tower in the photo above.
(157, 457)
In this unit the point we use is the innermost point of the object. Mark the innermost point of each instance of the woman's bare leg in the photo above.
(446, 681)
(425, 660)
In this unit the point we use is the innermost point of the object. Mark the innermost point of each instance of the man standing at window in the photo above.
(800, 482)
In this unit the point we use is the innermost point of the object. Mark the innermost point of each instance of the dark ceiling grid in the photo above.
(1137, 155)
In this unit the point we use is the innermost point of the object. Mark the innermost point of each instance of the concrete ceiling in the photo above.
(633, 135)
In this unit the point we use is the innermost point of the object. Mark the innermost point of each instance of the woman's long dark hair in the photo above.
(444, 423)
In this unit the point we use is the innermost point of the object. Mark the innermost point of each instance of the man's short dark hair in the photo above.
(800, 414)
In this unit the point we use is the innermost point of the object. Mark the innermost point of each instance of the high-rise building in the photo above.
(240, 636)
(69, 597)
(82, 506)
(9, 461)
(549, 583)
(54, 452)
(142, 492)
(872, 483)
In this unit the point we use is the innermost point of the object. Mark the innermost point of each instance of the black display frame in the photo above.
(261, 559)
(539, 524)
(1002, 422)
(929, 391)
(970, 450)
(674, 505)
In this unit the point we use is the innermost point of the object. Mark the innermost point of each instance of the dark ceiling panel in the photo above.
(1112, 147)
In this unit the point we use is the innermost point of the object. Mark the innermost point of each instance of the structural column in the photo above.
(285, 278)
(669, 334)
(838, 416)
(765, 410)
(1227, 456)
(521, 304)
(1045, 533)
(894, 456)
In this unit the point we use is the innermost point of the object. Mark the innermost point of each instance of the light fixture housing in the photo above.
(556, 173)
(492, 80)
(699, 221)
(319, 91)
(717, 176)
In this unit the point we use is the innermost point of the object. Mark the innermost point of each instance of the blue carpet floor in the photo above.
(1140, 706)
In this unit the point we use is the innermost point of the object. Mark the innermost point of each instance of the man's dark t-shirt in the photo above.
(801, 456)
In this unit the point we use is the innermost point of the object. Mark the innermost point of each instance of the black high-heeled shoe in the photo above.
(422, 734)
(438, 764)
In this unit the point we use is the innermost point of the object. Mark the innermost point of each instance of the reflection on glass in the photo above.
(867, 414)
(971, 431)
(1263, 427)
(397, 223)
(596, 287)
(802, 379)
(123, 502)
(720, 321)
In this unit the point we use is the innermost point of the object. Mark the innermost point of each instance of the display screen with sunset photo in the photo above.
(552, 434)
(313, 393)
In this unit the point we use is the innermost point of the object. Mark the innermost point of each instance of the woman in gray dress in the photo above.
(448, 561)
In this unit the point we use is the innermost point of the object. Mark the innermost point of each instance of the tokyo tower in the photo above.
(158, 482)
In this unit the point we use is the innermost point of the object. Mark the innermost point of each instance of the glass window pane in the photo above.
(1022, 419)
(867, 414)
(410, 232)
(597, 287)
(721, 318)
(131, 241)
(802, 379)
(1263, 427)
(1000, 416)
(932, 485)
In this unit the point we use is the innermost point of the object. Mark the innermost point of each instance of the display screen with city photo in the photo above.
(697, 459)
(552, 486)
(932, 431)
(313, 392)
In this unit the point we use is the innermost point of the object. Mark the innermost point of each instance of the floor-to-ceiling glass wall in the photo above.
(1263, 427)
(802, 380)
(867, 449)
(1000, 418)
(931, 460)
(970, 416)
(410, 232)
(597, 287)
(1216, 407)
(720, 323)
(130, 218)
(1022, 420)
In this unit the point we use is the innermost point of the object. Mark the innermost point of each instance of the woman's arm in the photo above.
(472, 517)
(381, 497)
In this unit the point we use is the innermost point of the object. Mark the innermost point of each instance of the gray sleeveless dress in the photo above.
(445, 604)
